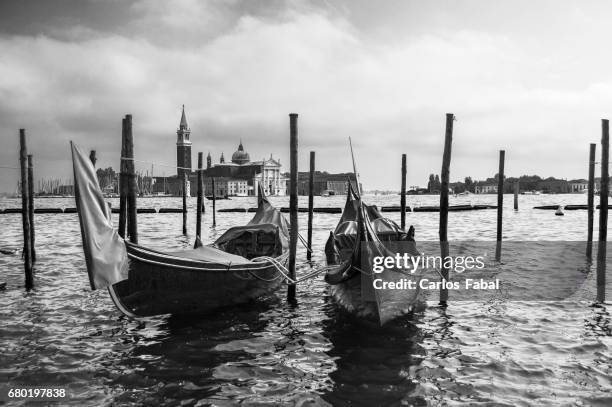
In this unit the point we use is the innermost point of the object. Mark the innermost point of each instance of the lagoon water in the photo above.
(490, 352)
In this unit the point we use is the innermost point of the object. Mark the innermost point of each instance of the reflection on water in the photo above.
(490, 351)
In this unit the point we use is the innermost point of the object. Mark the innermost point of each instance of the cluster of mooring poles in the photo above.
(128, 225)
(603, 205)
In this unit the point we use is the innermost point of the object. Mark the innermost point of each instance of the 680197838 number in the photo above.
(46, 393)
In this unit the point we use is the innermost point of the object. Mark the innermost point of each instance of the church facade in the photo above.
(238, 177)
(242, 177)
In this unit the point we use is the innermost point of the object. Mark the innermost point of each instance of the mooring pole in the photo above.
(123, 181)
(500, 203)
(132, 224)
(214, 196)
(603, 212)
(310, 204)
(25, 211)
(199, 203)
(590, 201)
(293, 201)
(444, 179)
(403, 192)
(184, 203)
(516, 192)
(31, 206)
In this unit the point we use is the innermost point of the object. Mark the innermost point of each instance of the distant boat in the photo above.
(531, 193)
(328, 192)
(559, 211)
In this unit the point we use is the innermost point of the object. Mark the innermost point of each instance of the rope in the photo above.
(304, 242)
(314, 273)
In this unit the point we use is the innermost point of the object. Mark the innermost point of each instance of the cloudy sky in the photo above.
(531, 77)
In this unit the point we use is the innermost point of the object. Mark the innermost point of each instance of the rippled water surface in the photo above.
(310, 353)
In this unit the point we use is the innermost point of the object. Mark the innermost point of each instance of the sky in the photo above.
(530, 77)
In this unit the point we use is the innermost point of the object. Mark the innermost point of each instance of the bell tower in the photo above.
(183, 147)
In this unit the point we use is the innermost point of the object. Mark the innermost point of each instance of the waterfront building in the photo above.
(485, 188)
(242, 177)
(238, 177)
(325, 183)
(578, 186)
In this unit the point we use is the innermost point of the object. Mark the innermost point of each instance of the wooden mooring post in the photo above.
(200, 197)
(293, 201)
(590, 201)
(603, 212)
(31, 206)
(123, 182)
(500, 203)
(516, 193)
(132, 193)
(310, 204)
(184, 203)
(214, 201)
(444, 180)
(25, 211)
(403, 193)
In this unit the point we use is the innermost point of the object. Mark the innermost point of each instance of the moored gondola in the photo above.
(362, 234)
(245, 263)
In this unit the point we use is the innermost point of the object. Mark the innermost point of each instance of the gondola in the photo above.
(243, 264)
(361, 234)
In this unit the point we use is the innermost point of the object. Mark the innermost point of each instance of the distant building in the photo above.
(325, 183)
(485, 188)
(240, 177)
(183, 147)
(578, 185)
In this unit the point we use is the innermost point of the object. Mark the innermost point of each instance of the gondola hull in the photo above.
(154, 289)
(349, 295)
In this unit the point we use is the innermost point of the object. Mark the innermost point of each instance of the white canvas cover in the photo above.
(105, 252)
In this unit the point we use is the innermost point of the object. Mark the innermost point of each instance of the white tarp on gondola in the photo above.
(105, 252)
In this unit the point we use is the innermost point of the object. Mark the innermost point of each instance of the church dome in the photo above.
(240, 156)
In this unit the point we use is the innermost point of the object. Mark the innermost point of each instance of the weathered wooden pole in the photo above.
(214, 199)
(25, 217)
(603, 212)
(516, 193)
(184, 203)
(31, 206)
(199, 203)
(293, 201)
(310, 203)
(590, 201)
(444, 179)
(123, 182)
(500, 203)
(403, 192)
(132, 225)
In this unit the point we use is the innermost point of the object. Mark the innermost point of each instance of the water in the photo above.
(487, 352)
